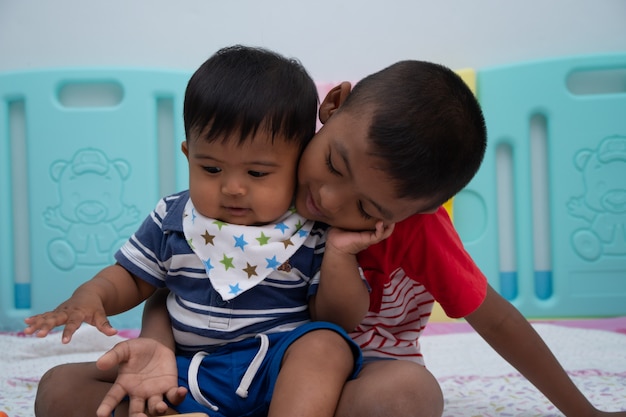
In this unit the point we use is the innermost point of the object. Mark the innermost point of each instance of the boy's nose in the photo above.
(332, 199)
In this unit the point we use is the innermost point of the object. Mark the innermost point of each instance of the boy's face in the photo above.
(341, 184)
(247, 184)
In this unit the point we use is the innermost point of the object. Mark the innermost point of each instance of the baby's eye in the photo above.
(212, 170)
(257, 174)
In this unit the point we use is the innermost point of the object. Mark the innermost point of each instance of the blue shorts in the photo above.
(238, 379)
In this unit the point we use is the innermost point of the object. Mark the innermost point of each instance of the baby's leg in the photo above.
(313, 373)
(391, 388)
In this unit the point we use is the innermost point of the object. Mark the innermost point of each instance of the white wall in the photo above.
(334, 39)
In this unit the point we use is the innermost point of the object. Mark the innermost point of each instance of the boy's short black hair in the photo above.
(242, 89)
(426, 125)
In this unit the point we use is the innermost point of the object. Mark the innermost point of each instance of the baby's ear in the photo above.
(335, 98)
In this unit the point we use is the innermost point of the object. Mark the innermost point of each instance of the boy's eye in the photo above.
(329, 164)
(257, 174)
(363, 212)
(212, 170)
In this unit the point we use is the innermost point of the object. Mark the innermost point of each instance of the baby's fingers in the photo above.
(77, 317)
(117, 355)
(156, 405)
(101, 321)
(74, 320)
(176, 395)
(111, 400)
(42, 324)
(137, 407)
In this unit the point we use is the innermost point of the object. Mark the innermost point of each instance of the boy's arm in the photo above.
(113, 290)
(512, 336)
(342, 296)
(155, 322)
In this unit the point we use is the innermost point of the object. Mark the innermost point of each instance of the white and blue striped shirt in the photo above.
(159, 254)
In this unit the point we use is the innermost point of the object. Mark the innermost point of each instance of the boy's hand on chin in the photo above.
(350, 242)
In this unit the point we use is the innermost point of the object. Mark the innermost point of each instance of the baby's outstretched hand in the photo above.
(80, 308)
(354, 242)
(147, 374)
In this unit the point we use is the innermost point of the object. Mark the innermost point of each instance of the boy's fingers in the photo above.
(389, 229)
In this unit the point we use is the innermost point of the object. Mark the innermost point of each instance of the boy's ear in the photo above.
(335, 98)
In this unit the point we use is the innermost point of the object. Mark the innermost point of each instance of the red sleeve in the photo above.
(428, 249)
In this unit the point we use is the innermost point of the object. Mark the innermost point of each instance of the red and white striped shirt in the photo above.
(423, 260)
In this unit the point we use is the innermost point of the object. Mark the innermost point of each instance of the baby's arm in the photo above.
(510, 334)
(113, 290)
(342, 296)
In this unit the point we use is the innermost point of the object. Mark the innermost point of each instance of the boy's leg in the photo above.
(313, 372)
(391, 388)
(73, 389)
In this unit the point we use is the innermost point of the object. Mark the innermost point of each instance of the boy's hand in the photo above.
(147, 374)
(81, 307)
(350, 242)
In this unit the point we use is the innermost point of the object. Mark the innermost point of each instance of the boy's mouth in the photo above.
(312, 206)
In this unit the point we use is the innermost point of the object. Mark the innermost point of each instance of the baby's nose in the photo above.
(233, 186)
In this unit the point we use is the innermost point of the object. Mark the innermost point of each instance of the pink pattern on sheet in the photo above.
(610, 324)
(475, 381)
(512, 395)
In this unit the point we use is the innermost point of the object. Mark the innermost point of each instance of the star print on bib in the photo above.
(236, 257)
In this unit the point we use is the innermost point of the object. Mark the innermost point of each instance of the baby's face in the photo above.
(341, 184)
(247, 184)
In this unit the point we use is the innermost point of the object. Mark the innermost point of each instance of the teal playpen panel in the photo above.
(85, 156)
(545, 217)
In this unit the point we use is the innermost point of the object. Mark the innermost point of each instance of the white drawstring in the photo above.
(242, 390)
(192, 375)
(246, 380)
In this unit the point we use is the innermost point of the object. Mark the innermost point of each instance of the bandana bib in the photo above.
(236, 257)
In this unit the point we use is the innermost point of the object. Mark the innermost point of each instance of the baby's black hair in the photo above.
(242, 89)
(426, 126)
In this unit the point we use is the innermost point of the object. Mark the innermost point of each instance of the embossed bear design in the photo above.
(91, 213)
(603, 204)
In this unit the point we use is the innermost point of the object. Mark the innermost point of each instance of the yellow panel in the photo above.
(469, 76)
(438, 315)
(449, 206)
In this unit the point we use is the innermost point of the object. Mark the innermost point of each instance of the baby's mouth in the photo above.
(237, 211)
